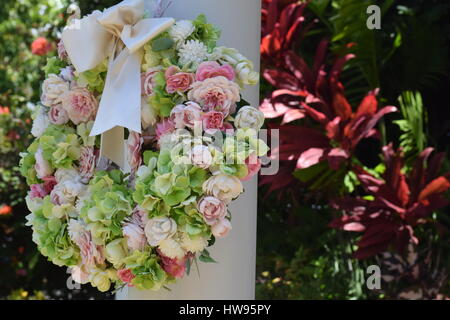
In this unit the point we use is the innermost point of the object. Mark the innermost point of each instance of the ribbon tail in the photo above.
(120, 104)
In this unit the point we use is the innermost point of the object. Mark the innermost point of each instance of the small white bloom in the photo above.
(201, 157)
(52, 89)
(192, 51)
(249, 117)
(67, 73)
(223, 187)
(40, 123)
(135, 236)
(181, 30)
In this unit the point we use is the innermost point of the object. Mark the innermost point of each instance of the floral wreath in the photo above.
(144, 225)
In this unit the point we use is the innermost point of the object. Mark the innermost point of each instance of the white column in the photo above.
(233, 277)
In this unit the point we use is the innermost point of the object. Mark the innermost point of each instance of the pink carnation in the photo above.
(62, 53)
(211, 69)
(221, 228)
(134, 145)
(37, 191)
(164, 127)
(80, 105)
(253, 165)
(212, 121)
(178, 81)
(175, 267)
(49, 183)
(126, 275)
(87, 163)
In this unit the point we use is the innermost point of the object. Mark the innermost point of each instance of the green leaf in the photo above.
(206, 257)
(161, 44)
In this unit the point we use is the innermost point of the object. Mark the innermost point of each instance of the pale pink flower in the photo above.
(186, 115)
(148, 82)
(62, 53)
(134, 145)
(87, 163)
(211, 69)
(80, 105)
(212, 209)
(177, 81)
(42, 166)
(135, 236)
(37, 191)
(218, 94)
(126, 275)
(221, 228)
(212, 121)
(57, 115)
(253, 164)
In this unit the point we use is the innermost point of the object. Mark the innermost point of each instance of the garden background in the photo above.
(358, 183)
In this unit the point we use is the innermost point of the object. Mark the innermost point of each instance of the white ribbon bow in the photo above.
(119, 32)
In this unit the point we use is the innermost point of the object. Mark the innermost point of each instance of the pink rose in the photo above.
(42, 166)
(175, 267)
(91, 254)
(87, 163)
(253, 164)
(201, 156)
(134, 145)
(148, 81)
(212, 121)
(218, 94)
(49, 183)
(212, 209)
(37, 191)
(164, 127)
(178, 81)
(57, 115)
(211, 69)
(80, 105)
(186, 115)
(126, 275)
(221, 228)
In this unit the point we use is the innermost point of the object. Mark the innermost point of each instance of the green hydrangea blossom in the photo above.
(110, 201)
(60, 146)
(149, 275)
(94, 78)
(27, 163)
(205, 32)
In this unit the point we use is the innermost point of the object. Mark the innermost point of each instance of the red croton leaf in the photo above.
(438, 185)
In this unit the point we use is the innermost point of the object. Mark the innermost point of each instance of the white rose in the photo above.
(40, 123)
(135, 236)
(67, 174)
(245, 73)
(66, 192)
(159, 229)
(223, 187)
(42, 166)
(79, 274)
(52, 89)
(249, 117)
(201, 157)
(181, 30)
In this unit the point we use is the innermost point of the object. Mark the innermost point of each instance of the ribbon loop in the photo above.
(92, 39)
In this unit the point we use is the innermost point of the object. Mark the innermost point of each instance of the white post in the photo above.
(233, 277)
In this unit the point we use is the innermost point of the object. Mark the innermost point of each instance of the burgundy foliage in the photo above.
(400, 202)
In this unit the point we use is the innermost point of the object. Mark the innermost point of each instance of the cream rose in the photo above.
(52, 89)
(223, 187)
(212, 209)
(201, 156)
(249, 117)
(159, 229)
(216, 93)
